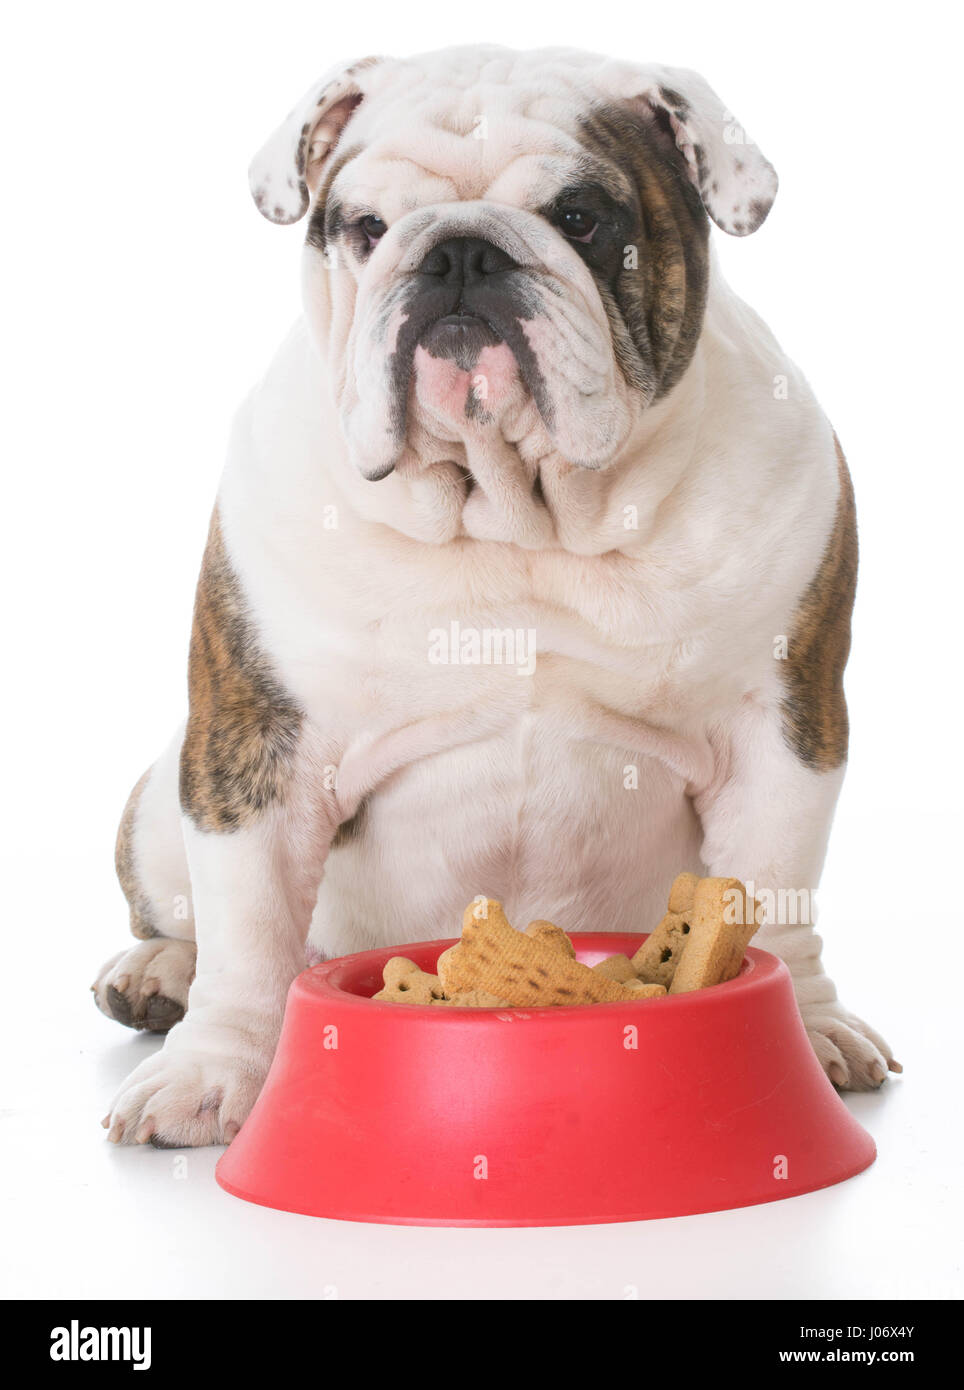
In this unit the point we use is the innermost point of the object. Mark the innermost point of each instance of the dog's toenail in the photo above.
(894, 1066)
(156, 1142)
(231, 1131)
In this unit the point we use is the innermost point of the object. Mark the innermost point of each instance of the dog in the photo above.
(530, 573)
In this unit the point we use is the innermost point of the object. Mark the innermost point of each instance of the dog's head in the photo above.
(514, 242)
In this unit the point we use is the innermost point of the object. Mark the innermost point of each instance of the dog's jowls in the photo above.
(522, 411)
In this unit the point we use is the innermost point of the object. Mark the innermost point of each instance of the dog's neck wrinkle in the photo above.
(528, 495)
(429, 498)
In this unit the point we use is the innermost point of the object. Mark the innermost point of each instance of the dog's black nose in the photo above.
(465, 259)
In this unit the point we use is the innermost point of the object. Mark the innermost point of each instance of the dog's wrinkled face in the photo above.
(512, 244)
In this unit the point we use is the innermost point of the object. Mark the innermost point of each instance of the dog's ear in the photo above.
(287, 169)
(736, 184)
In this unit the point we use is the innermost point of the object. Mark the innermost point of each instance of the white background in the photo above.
(143, 294)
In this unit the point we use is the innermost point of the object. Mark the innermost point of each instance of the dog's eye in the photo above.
(373, 227)
(577, 224)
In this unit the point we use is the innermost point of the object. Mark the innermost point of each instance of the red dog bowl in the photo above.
(429, 1115)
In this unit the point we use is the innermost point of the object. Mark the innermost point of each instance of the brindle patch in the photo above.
(143, 924)
(655, 309)
(815, 722)
(243, 726)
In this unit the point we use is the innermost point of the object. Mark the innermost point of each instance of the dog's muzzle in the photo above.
(471, 283)
(463, 293)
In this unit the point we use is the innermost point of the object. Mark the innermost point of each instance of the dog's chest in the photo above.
(494, 630)
(510, 745)
(487, 701)
(517, 754)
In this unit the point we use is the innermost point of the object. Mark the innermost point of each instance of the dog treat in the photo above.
(642, 990)
(657, 958)
(475, 999)
(700, 942)
(405, 983)
(682, 892)
(722, 920)
(618, 968)
(727, 921)
(551, 935)
(495, 957)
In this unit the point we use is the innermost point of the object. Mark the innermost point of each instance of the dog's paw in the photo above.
(853, 1055)
(184, 1099)
(146, 986)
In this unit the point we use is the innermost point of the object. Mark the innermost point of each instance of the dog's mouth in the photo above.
(460, 337)
(476, 333)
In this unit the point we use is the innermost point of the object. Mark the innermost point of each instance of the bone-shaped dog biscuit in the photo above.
(405, 983)
(726, 915)
(722, 920)
(495, 957)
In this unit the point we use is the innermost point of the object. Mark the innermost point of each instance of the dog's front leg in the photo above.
(766, 820)
(254, 889)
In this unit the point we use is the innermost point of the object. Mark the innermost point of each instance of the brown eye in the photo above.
(577, 224)
(373, 227)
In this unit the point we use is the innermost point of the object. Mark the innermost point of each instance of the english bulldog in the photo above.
(530, 573)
